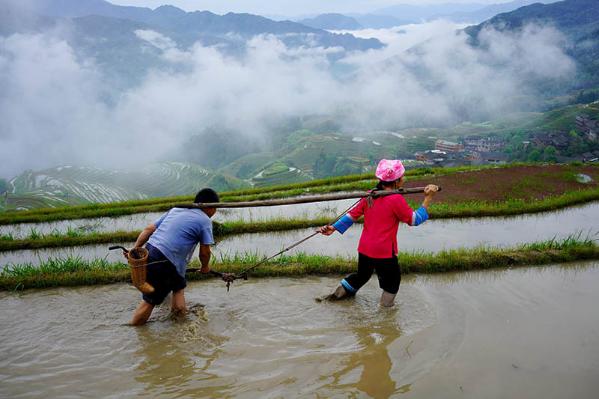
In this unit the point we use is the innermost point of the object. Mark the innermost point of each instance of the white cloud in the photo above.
(52, 104)
(155, 39)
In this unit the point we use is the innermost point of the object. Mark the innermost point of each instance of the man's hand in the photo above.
(327, 230)
(205, 269)
(205, 254)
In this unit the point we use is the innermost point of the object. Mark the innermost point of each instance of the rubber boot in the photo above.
(387, 299)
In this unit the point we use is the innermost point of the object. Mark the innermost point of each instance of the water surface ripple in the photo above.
(528, 332)
(432, 236)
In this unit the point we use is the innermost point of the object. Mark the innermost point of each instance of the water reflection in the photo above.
(372, 359)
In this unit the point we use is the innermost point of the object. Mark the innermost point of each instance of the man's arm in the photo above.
(144, 236)
(205, 254)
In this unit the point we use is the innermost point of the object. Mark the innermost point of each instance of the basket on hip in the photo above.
(138, 261)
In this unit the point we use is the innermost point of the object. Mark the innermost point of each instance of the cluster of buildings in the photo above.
(588, 126)
(473, 150)
(478, 150)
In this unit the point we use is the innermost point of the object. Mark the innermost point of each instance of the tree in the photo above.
(324, 165)
(3, 186)
(550, 154)
(534, 156)
(577, 146)
(346, 167)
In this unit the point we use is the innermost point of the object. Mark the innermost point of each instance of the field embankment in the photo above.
(76, 272)
(490, 187)
(501, 191)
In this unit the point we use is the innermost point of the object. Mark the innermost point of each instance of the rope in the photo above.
(244, 273)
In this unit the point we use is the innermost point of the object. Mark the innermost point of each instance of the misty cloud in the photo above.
(53, 109)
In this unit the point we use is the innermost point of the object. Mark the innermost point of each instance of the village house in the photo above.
(431, 156)
(446, 159)
(493, 158)
(483, 144)
(559, 140)
(448, 146)
(588, 126)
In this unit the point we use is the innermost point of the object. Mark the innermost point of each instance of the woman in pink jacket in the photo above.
(378, 249)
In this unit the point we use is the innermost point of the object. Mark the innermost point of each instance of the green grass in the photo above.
(76, 271)
(514, 206)
(74, 237)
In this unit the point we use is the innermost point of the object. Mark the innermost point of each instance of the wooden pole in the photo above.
(302, 199)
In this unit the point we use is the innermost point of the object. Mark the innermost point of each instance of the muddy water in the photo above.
(139, 221)
(530, 332)
(433, 236)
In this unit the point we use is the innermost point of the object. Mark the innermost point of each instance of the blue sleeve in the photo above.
(419, 216)
(206, 237)
(343, 224)
(158, 222)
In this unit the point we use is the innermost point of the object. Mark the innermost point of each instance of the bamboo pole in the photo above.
(302, 199)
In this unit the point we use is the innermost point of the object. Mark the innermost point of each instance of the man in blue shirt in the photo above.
(171, 241)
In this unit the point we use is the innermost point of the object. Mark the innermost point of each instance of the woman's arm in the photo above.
(346, 221)
(420, 215)
(429, 193)
(340, 225)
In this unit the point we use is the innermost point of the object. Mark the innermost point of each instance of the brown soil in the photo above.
(519, 182)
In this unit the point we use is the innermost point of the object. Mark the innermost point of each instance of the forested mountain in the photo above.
(107, 32)
(188, 27)
(578, 20)
(332, 22)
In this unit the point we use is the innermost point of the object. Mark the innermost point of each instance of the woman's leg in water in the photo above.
(389, 275)
(352, 283)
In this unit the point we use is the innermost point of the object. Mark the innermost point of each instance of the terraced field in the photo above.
(468, 191)
(68, 185)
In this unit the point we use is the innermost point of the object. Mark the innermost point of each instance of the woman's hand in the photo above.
(430, 190)
(326, 230)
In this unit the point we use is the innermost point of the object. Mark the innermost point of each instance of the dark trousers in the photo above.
(387, 271)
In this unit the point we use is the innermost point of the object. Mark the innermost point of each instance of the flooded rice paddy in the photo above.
(433, 236)
(521, 333)
(140, 220)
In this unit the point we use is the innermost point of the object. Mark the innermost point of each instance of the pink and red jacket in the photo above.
(381, 222)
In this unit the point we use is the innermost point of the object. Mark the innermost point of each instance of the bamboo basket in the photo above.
(138, 261)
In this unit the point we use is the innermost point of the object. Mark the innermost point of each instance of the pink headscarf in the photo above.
(390, 169)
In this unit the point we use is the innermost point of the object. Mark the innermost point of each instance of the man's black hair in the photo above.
(206, 195)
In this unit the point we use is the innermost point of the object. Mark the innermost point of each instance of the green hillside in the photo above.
(578, 20)
(71, 185)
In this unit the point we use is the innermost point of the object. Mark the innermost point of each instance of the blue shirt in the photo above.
(177, 234)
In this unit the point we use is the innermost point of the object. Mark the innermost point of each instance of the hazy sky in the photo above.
(54, 100)
(289, 7)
